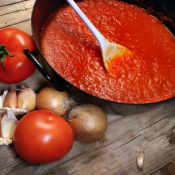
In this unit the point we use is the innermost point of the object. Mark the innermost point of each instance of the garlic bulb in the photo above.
(4, 141)
(11, 100)
(27, 99)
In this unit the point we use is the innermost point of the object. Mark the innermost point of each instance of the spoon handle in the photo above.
(99, 37)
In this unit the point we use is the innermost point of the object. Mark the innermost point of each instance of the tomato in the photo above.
(43, 136)
(18, 67)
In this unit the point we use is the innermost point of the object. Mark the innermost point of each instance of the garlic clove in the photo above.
(27, 99)
(8, 125)
(4, 95)
(16, 111)
(11, 100)
(4, 141)
(1, 102)
(140, 159)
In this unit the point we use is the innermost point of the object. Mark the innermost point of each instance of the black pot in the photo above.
(162, 9)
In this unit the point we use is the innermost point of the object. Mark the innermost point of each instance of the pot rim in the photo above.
(106, 100)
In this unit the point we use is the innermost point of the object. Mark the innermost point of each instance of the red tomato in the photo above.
(18, 67)
(43, 136)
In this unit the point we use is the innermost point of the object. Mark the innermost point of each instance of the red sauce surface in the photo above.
(71, 49)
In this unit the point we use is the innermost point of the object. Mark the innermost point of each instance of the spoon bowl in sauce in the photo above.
(111, 52)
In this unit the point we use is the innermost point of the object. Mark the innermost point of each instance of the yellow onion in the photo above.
(11, 100)
(88, 122)
(51, 99)
(27, 99)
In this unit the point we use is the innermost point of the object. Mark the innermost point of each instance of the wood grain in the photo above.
(17, 17)
(162, 171)
(148, 131)
(7, 2)
(171, 168)
(167, 170)
(4, 10)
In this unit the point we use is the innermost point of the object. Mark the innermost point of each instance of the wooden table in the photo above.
(149, 128)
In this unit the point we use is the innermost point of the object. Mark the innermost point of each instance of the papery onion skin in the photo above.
(88, 122)
(51, 99)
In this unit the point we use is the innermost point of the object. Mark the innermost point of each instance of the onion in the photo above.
(88, 122)
(51, 99)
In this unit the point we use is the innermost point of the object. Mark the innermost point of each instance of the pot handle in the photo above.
(31, 57)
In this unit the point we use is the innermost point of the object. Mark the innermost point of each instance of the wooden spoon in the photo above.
(110, 51)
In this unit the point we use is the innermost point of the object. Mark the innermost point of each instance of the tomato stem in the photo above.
(3, 53)
(2, 63)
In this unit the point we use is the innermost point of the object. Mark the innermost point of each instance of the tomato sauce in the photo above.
(72, 50)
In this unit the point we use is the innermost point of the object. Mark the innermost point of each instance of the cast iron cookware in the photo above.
(162, 9)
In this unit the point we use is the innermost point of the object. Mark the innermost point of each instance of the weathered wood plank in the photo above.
(166, 170)
(16, 7)
(25, 26)
(162, 171)
(17, 17)
(171, 168)
(126, 137)
(117, 158)
(36, 82)
(7, 2)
